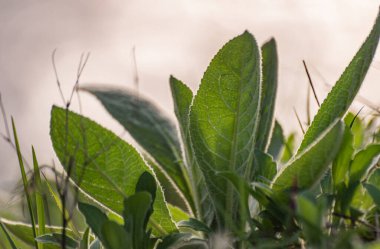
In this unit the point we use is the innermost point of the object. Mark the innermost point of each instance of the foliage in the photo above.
(228, 178)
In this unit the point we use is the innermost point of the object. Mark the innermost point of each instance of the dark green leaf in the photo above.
(115, 237)
(277, 141)
(149, 127)
(195, 225)
(374, 192)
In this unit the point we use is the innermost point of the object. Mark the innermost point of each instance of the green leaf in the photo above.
(268, 93)
(56, 239)
(224, 120)
(357, 129)
(115, 237)
(265, 166)
(374, 192)
(150, 128)
(137, 209)
(84, 243)
(96, 244)
(362, 161)
(25, 182)
(288, 152)
(182, 99)
(341, 163)
(177, 213)
(11, 243)
(24, 232)
(277, 141)
(374, 178)
(104, 166)
(307, 168)
(38, 195)
(196, 225)
(343, 93)
(95, 218)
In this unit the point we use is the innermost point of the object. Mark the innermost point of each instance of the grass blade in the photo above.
(39, 200)
(24, 181)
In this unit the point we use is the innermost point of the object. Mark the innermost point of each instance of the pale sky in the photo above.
(171, 37)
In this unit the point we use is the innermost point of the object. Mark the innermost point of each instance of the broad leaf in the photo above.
(374, 192)
(343, 93)
(95, 218)
(307, 168)
(224, 119)
(103, 165)
(268, 93)
(115, 237)
(150, 128)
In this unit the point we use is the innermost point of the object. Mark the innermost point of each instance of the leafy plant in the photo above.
(228, 178)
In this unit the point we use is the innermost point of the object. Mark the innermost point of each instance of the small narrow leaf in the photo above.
(341, 163)
(224, 120)
(25, 182)
(85, 242)
(277, 141)
(308, 167)
(343, 93)
(56, 239)
(362, 161)
(268, 93)
(38, 195)
(196, 225)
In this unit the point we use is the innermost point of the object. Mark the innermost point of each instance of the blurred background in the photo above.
(170, 37)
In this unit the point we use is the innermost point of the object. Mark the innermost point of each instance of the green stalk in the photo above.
(24, 181)
(39, 200)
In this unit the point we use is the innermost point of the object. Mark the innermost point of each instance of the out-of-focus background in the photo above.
(171, 37)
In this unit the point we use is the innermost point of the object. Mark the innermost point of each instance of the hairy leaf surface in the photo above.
(224, 118)
(149, 127)
(307, 168)
(343, 93)
(103, 165)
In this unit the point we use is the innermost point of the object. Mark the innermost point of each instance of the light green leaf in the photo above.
(56, 239)
(24, 232)
(343, 93)
(357, 129)
(84, 243)
(307, 168)
(150, 128)
(289, 145)
(224, 119)
(362, 161)
(104, 166)
(277, 141)
(341, 163)
(177, 213)
(268, 93)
